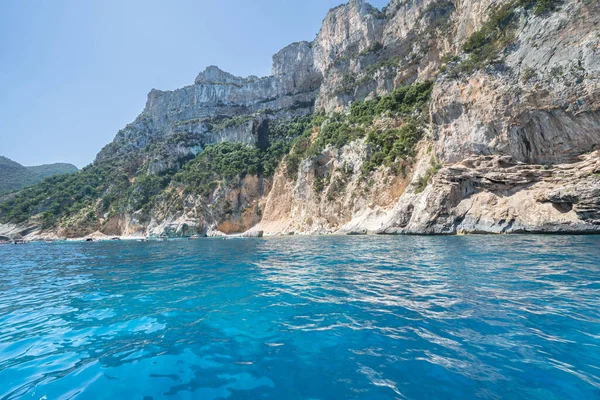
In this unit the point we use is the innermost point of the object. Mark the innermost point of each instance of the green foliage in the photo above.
(557, 71)
(439, 7)
(121, 184)
(225, 161)
(298, 151)
(319, 183)
(404, 100)
(352, 81)
(374, 47)
(336, 133)
(485, 45)
(495, 28)
(407, 102)
(14, 176)
(438, 12)
(449, 57)
(540, 6)
(271, 157)
(301, 145)
(63, 195)
(48, 170)
(144, 190)
(394, 144)
(283, 136)
(223, 123)
(527, 74)
(385, 63)
(423, 181)
(288, 129)
(221, 161)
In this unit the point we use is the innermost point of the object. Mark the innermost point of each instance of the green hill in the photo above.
(14, 176)
(46, 170)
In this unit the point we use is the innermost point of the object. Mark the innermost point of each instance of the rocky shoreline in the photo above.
(479, 195)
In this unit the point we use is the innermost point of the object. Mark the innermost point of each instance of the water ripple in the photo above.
(514, 317)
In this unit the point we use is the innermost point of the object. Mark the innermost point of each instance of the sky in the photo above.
(72, 72)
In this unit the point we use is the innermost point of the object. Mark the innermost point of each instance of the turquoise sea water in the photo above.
(489, 317)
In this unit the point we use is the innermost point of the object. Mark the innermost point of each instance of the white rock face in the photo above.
(290, 91)
(541, 107)
(348, 28)
(213, 75)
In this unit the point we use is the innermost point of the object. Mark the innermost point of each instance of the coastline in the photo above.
(253, 235)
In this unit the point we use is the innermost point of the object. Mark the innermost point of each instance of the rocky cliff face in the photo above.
(540, 105)
(514, 137)
(510, 143)
(205, 113)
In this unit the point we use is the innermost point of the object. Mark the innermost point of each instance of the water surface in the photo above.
(482, 317)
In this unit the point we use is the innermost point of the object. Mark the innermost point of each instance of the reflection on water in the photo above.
(509, 317)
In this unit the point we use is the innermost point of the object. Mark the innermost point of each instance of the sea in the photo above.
(323, 317)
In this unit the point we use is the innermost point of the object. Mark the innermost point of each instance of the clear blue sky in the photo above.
(73, 72)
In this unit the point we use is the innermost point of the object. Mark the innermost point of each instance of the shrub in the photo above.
(393, 144)
(59, 196)
(337, 134)
(374, 47)
(540, 6)
(404, 100)
(222, 161)
(423, 181)
(527, 74)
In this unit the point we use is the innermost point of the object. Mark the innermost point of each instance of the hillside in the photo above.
(427, 117)
(14, 176)
(47, 170)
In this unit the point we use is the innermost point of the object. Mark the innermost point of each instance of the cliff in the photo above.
(427, 117)
(510, 138)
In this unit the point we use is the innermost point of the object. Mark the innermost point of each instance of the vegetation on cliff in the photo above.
(117, 186)
(486, 45)
(63, 195)
(407, 104)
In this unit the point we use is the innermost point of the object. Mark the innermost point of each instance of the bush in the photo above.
(393, 145)
(408, 102)
(337, 134)
(404, 100)
(423, 181)
(527, 74)
(144, 189)
(540, 6)
(222, 161)
(485, 45)
(298, 151)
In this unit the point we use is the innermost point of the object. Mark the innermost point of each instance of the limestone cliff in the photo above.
(507, 143)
